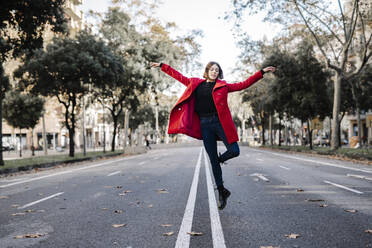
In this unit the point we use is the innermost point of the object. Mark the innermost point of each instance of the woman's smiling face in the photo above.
(213, 72)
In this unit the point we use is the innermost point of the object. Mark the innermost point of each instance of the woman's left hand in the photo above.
(269, 69)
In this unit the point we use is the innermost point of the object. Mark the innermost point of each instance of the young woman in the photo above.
(202, 112)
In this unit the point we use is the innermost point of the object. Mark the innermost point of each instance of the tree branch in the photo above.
(351, 32)
(343, 18)
(322, 22)
(316, 39)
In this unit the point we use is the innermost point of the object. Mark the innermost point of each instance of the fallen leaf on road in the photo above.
(323, 205)
(168, 234)
(166, 225)
(118, 211)
(292, 236)
(300, 190)
(195, 233)
(40, 194)
(119, 225)
(119, 187)
(4, 197)
(368, 231)
(29, 211)
(18, 214)
(162, 191)
(107, 187)
(104, 208)
(29, 235)
(150, 206)
(314, 200)
(351, 210)
(127, 191)
(238, 174)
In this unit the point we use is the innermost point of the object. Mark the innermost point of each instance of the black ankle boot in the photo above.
(223, 194)
(220, 159)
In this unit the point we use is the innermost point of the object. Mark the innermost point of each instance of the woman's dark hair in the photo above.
(209, 65)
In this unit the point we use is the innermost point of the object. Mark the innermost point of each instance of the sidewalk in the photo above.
(12, 155)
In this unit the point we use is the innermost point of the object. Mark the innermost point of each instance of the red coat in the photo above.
(184, 119)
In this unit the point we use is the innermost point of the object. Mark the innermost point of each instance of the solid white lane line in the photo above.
(13, 180)
(258, 159)
(41, 200)
(142, 163)
(283, 167)
(344, 187)
(325, 163)
(217, 233)
(183, 239)
(114, 173)
(60, 173)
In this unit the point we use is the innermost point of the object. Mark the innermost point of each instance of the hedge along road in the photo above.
(165, 197)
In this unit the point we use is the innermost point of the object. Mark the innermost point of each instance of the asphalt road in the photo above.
(278, 200)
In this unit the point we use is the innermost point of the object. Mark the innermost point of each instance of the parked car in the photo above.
(321, 141)
(7, 147)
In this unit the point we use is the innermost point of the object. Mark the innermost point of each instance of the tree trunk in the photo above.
(32, 142)
(336, 111)
(115, 120)
(126, 125)
(44, 136)
(359, 127)
(310, 133)
(270, 128)
(263, 128)
(1, 132)
(280, 131)
(20, 142)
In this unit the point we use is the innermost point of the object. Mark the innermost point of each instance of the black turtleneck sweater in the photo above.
(204, 104)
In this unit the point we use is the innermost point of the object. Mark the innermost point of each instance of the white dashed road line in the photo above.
(41, 200)
(283, 167)
(344, 187)
(260, 176)
(183, 239)
(217, 233)
(114, 173)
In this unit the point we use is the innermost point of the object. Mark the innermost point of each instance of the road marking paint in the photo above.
(217, 233)
(13, 180)
(41, 200)
(258, 159)
(183, 238)
(262, 177)
(359, 176)
(344, 187)
(325, 163)
(142, 163)
(61, 173)
(286, 168)
(114, 173)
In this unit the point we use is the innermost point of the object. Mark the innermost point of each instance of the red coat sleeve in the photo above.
(175, 74)
(245, 84)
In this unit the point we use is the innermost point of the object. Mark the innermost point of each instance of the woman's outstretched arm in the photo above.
(172, 72)
(251, 80)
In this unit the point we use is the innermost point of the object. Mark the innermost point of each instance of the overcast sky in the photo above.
(218, 43)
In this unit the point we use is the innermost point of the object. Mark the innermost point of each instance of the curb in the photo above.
(4, 172)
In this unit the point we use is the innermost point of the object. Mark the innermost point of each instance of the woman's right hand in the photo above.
(154, 64)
